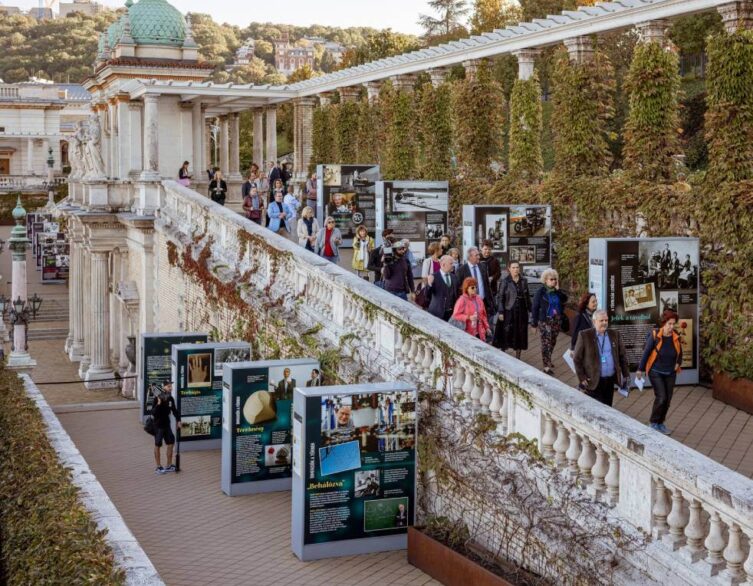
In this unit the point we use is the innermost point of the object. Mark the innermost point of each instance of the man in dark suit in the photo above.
(315, 380)
(273, 174)
(600, 360)
(473, 267)
(285, 387)
(443, 289)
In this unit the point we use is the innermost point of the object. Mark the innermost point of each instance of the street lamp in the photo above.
(50, 180)
(21, 312)
(215, 130)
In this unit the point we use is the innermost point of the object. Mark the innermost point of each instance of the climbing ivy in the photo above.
(347, 121)
(583, 107)
(525, 156)
(323, 140)
(368, 139)
(651, 137)
(435, 132)
(401, 157)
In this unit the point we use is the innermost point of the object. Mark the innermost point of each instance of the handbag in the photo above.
(422, 296)
(149, 426)
(564, 323)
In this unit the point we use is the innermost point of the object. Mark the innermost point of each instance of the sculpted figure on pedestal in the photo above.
(93, 155)
(76, 152)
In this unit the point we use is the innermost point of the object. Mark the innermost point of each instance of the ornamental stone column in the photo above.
(349, 94)
(325, 99)
(234, 127)
(404, 83)
(580, 49)
(19, 357)
(151, 138)
(272, 133)
(76, 313)
(304, 136)
(737, 15)
(471, 69)
(259, 138)
(197, 128)
(30, 156)
(653, 31)
(100, 367)
(526, 62)
(116, 326)
(224, 144)
(83, 364)
(135, 163)
(372, 91)
(438, 76)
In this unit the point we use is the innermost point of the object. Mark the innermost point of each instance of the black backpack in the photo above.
(375, 260)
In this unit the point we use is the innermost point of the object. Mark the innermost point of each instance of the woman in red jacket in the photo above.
(469, 308)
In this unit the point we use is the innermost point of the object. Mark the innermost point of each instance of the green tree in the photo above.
(379, 45)
(447, 23)
(489, 15)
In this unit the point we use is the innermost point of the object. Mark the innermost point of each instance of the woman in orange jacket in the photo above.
(469, 308)
(662, 359)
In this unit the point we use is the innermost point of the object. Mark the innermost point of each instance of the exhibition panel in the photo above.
(257, 405)
(354, 469)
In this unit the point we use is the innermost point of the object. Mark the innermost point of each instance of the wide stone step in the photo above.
(48, 334)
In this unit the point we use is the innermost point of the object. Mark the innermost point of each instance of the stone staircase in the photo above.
(51, 322)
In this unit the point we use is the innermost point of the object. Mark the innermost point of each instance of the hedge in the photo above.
(46, 534)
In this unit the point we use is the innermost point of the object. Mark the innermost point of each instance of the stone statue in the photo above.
(93, 155)
(76, 152)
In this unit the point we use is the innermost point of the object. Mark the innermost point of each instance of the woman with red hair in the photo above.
(469, 308)
(661, 361)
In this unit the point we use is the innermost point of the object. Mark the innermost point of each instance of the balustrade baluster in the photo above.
(676, 521)
(599, 472)
(468, 386)
(734, 554)
(486, 397)
(496, 403)
(573, 451)
(458, 377)
(427, 363)
(694, 533)
(587, 459)
(612, 479)
(561, 445)
(476, 394)
(503, 410)
(549, 437)
(715, 543)
(660, 510)
(748, 566)
(418, 359)
(408, 348)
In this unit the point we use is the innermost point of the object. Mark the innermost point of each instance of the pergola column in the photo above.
(272, 133)
(526, 62)
(349, 94)
(438, 75)
(303, 135)
(100, 367)
(471, 69)
(224, 144)
(325, 99)
(259, 138)
(404, 83)
(653, 31)
(737, 15)
(234, 126)
(76, 349)
(151, 138)
(372, 91)
(85, 297)
(197, 127)
(580, 49)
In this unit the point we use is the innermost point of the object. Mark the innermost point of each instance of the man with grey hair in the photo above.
(601, 361)
(443, 289)
(474, 268)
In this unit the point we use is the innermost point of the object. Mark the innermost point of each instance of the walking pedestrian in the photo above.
(514, 305)
(311, 195)
(454, 253)
(547, 315)
(661, 361)
(162, 406)
(329, 240)
(470, 309)
(584, 320)
(493, 268)
(376, 257)
(307, 229)
(601, 361)
(279, 214)
(253, 203)
(431, 263)
(218, 188)
(397, 272)
(442, 291)
(363, 245)
(474, 268)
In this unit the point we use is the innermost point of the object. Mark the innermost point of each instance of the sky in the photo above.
(399, 15)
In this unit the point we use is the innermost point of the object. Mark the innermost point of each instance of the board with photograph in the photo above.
(197, 389)
(257, 445)
(354, 463)
(640, 279)
(153, 362)
(520, 233)
(347, 193)
(55, 261)
(416, 210)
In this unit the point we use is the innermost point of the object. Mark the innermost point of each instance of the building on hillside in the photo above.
(34, 117)
(8, 10)
(86, 7)
(243, 55)
(335, 50)
(289, 57)
(43, 13)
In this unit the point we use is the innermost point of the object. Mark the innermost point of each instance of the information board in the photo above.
(354, 469)
(640, 278)
(521, 233)
(197, 388)
(346, 192)
(416, 210)
(257, 405)
(155, 351)
(55, 261)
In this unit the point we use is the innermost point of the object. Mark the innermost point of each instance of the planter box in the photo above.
(446, 565)
(737, 392)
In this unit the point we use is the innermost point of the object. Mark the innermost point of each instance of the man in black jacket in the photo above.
(476, 269)
(443, 289)
(163, 405)
(375, 258)
(397, 272)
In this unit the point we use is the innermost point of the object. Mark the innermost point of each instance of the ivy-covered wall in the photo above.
(348, 118)
(435, 133)
(525, 156)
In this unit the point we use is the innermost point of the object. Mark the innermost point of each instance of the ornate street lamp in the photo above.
(50, 180)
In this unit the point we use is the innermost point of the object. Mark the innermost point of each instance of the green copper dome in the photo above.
(153, 22)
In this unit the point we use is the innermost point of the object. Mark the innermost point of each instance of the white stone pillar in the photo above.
(349, 94)
(471, 69)
(150, 170)
(76, 281)
(197, 128)
(272, 133)
(372, 91)
(234, 137)
(30, 156)
(438, 76)
(207, 147)
(325, 99)
(737, 15)
(653, 31)
(124, 139)
(526, 59)
(100, 367)
(85, 297)
(114, 151)
(407, 82)
(19, 356)
(116, 327)
(304, 136)
(580, 49)
(224, 145)
(259, 138)
(136, 140)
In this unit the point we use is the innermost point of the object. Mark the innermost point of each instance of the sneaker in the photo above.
(159, 470)
(170, 468)
(654, 426)
(661, 428)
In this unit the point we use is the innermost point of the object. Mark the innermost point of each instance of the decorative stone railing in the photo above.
(25, 182)
(698, 513)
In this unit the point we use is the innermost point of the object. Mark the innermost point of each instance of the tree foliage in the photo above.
(447, 25)
(379, 45)
(493, 14)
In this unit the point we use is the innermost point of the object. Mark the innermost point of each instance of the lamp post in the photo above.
(3, 302)
(50, 181)
(215, 130)
(19, 310)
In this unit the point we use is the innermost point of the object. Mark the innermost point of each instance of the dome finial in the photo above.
(189, 41)
(128, 3)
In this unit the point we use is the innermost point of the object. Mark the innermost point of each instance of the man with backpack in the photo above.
(375, 258)
(163, 405)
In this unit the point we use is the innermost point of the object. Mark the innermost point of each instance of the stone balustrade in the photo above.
(27, 182)
(698, 514)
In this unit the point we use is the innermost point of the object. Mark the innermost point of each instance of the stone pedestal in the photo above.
(96, 195)
(148, 197)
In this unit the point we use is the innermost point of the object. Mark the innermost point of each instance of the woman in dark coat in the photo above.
(546, 315)
(584, 321)
(514, 303)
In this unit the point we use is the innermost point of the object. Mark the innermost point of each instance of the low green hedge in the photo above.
(46, 535)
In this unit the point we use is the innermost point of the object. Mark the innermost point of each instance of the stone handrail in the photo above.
(28, 182)
(698, 512)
